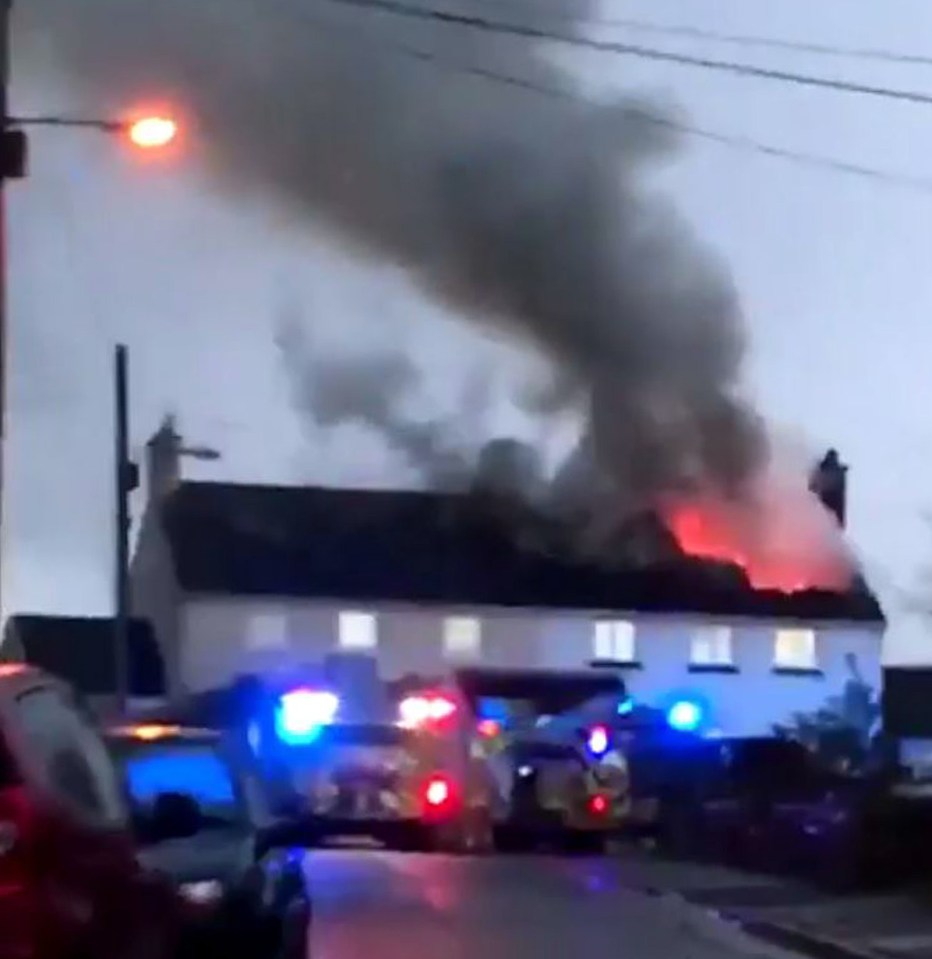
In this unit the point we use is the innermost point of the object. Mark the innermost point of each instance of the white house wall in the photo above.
(749, 701)
(223, 638)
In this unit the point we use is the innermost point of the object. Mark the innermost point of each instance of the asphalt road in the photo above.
(381, 905)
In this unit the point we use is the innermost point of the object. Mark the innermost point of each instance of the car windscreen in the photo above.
(198, 770)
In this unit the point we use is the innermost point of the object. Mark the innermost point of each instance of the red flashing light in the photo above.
(438, 795)
(437, 792)
(598, 805)
(426, 710)
(441, 708)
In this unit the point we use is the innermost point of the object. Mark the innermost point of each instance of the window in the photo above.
(795, 649)
(614, 641)
(195, 770)
(69, 757)
(268, 630)
(462, 637)
(711, 646)
(358, 631)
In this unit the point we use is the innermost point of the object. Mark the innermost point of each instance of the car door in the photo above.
(97, 895)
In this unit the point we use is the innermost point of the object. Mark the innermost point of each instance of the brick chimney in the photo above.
(829, 481)
(163, 460)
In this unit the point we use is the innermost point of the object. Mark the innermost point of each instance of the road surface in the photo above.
(381, 905)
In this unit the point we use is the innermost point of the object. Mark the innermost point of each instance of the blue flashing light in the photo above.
(685, 716)
(598, 742)
(626, 707)
(302, 713)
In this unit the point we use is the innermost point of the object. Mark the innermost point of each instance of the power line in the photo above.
(634, 50)
(732, 39)
(738, 142)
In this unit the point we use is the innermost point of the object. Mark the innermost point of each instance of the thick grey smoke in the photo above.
(372, 392)
(518, 210)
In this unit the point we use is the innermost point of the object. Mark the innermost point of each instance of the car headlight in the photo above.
(208, 891)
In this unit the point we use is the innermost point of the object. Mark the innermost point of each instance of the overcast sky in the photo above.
(833, 272)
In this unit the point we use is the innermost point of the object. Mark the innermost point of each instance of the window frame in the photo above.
(257, 636)
(345, 617)
(797, 666)
(712, 637)
(462, 654)
(608, 642)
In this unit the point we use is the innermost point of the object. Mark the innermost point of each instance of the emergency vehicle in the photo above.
(544, 741)
(478, 758)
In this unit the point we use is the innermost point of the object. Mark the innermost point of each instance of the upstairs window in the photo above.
(711, 646)
(795, 649)
(462, 637)
(614, 641)
(267, 630)
(358, 631)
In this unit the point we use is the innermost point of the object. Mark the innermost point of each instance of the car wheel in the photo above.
(584, 843)
(508, 839)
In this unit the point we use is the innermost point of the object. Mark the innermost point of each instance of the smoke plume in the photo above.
(519, 210)
(372, 391)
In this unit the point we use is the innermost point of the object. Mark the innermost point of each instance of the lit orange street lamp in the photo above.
(152, 133)
(149, 132)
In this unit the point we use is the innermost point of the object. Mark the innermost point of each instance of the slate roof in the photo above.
(427, 547)
(79, 650)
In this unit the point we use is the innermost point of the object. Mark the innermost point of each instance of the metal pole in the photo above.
(121, 483)
(5, 11)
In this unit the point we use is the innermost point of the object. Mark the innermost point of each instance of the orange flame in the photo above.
(701, 534)
(779, 534)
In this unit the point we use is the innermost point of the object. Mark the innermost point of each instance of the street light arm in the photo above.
(107, 126)
(146, 133)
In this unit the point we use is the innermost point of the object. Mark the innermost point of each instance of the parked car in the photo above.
(202, 819)
(71, 886)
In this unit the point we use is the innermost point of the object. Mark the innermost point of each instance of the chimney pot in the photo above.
(163, 455)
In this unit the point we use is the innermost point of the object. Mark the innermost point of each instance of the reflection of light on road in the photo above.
(599, 879)
(440, 878)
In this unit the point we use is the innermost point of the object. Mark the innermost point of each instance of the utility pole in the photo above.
(5, 12)
(126, 479)
(12, 167)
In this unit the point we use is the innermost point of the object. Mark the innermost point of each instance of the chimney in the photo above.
(163, 455)
(829, 481)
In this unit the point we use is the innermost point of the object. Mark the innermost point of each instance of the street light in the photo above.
(152, 133)
(149, 132)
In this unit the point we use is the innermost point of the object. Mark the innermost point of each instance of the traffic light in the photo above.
(152, 132)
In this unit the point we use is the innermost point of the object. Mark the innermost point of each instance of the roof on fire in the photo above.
(428, 547)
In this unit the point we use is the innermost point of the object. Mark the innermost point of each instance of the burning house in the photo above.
(534, 216)
(241, 579)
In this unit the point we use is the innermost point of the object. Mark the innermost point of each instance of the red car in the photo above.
(70, 882)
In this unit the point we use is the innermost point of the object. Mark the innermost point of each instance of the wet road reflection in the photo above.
(379, 905)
